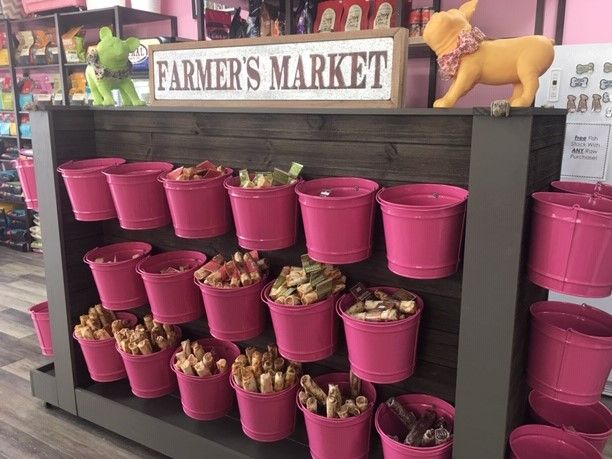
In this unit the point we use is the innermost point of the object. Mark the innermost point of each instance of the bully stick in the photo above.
(362, 403)
(415, 434)
(279, 381)
(333, 401)
(311, 404)
(428, 438)
(313, 389)
(248, 379)
(355, 384)
(290, 377)
(265, 383)
(408, 418)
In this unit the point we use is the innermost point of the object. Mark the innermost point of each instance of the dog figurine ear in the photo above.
(105, 32)
(468, 9)
(132, 44)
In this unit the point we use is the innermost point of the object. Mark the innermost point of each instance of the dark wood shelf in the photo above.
(75, 64)
(8, 136)
(37, 67)
(12, 200)
(419, 50)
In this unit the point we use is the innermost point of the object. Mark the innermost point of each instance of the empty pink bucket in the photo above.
(544, 442)
(571, 244)
(119, 285)
(365, 340)
(233, 314)
(149, 375)
(199, 208)
(423, 228)
(387, 425)
(42, 325)
(592, 422)
(103, 361)
(331, 438)
(304, 333)
(27, 177)
(87, 188)
(266, 417)
(173, 297)
(209, 397)
(570, 352)
(265, 218)
(139, 197)
(338, 214)
(583, 188)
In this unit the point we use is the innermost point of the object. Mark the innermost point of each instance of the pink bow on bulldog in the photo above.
(467, 43)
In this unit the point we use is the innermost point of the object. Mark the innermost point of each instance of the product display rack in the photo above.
(474, 330)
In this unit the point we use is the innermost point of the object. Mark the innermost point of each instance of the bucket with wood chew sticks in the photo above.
(416, 426)
(265, 385)
(202, 370)
(338, 410)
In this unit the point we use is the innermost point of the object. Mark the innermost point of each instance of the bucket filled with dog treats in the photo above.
(301, 302)
(264, 206)
(95, 336)
(231, 290)
(202, 371)
(146, 350)
(198, 203)
(338, 214)
(381, 318)
(168, 280)
(266, 402)
(416, 426)
(113, 268)
(338, 410)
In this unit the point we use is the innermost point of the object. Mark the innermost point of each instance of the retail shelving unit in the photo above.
(475, 326)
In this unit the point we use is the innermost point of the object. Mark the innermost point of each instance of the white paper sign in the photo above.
(585, 152)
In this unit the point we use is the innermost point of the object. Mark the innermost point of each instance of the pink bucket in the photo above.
(87, 188)
(304, 333)
(570, 352)
(583, 188)
(173, 297)
(571, 244)
(365, 340)
(138, 196)
(387, 425)
(119, 285)
(103, 361)
(27, 177)
(593, 422)
(423, 228)
(334, 438)
(265, 218)
(199, 208)
(210, 397)
(338, 225)
(42, 325)
(544, 442)
(266, 417)
(233, 314)
(149, 375)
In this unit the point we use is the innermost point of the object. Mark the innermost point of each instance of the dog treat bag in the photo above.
(304, 18)
(238, 27)
(217, 24)
(254, 19)
(329, 16)
(355, 16)
(383, 16)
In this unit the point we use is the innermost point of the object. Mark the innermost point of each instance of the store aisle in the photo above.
(27, 428)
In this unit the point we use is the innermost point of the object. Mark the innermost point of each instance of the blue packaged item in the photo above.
(25, 130)
(9, 176)
(24, 100)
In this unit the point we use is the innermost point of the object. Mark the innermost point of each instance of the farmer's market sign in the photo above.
(359, 69)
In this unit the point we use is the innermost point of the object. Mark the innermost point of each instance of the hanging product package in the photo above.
(74, 45)
(329, 15)
(384, 15)
(304, 18)
(254, 19)
(355, 16)
(217, 25)
(25, 40)
(39, 49)
(238, 27)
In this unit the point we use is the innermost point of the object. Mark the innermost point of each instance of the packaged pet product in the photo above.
(7, 94)
(74, 45)
(329, 16)
(217, 24)
(355, 15)
(38, 52)
(78, 84)
(26, 98)
(238, 27)
(384, 15)
(4, 54)
(26, 41)
(25, 128)
(254, 19)
(304, 17)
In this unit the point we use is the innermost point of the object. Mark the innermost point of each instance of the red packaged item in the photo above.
(217, 24)
(384, 15)
(329, 16)
(415, 16)
(355, 15)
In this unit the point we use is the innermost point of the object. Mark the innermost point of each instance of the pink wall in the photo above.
(187, 26)
(587, 21)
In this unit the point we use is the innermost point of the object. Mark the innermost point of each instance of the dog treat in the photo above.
(266, 385)
(277, 177)
(351, 407)
(98, 324)
(141, 341)
(355, 15)
(279, 381)
(380, 306)
(428, 438)
(290, 376)
(333, 401)
(303, 397)
(312, 388)
(408, 418)
(311, 404)
(355, 384)
(237, 373)
(331, 404)
(194, 359)
(362, 403)
(248, 379)
(257, 371)
(416, 433)
(242, 270)
(441, 435)
(203, 171)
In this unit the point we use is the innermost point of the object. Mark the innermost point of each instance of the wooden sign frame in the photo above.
(399, 60)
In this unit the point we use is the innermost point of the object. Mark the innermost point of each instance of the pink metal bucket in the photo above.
(265, 218)
(423, 228)
(199, 208)
(305, 333)
(173, 297)
(103, 361)
(149, 375)
(388, 425)
(267, 417)
(138, 196)
(87, 188)
(365, 340)
(592, 422)
(209, 397)
(571, 244)
(27, 177)
(338, 214)
(234, 314)
(325, 435)
(119, 285)
(583, 188)
(42, 325)
(570, 352)
(544, 442)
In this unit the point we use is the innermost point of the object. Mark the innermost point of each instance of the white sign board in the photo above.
(585, 153)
